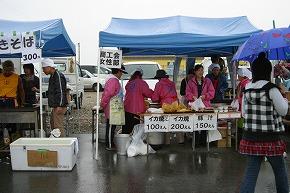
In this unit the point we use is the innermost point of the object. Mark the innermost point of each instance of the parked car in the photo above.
(91, 81)
(149, 71)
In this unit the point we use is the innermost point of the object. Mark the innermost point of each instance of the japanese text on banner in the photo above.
(156, 123)
(181, 123)
(110, 58)
(205, 122)
(30, 54)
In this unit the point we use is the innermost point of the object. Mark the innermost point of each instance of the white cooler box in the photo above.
(47, 154)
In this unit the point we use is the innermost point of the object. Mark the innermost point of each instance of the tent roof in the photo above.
(177, 35)
(52, 33)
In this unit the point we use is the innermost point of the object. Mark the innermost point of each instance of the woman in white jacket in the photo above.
(263, 107)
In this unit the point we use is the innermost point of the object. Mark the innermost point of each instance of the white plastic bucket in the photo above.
(122, 142)
(156, 138)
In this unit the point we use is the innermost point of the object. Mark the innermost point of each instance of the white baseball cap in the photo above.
(212, 66)
(47, 62)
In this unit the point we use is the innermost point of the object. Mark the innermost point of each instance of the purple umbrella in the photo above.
(275, 42)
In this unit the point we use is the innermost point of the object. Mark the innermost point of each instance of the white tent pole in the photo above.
(40, 90)
(77, 91)
(40, 101)
(97, 110)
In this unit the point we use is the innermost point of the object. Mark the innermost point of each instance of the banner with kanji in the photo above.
(110, 58)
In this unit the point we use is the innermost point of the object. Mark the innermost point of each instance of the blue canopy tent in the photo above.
(50, 34)
(51, 37)
(177, 35)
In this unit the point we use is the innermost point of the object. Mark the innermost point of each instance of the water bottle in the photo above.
(6, 136)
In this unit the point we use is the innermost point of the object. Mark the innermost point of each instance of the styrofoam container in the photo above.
(67, 150)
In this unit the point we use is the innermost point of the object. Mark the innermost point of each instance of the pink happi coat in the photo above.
(207, 91)
(164, 92)
(136, 91)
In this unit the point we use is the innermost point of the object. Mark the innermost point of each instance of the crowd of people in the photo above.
(210, 88)
(20, 90)
(261, 102)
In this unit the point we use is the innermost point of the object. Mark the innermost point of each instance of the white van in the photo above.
(149, 71)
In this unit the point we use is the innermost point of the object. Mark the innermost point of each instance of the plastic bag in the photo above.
(117, 112)
(55, 133)
(235, 104)
(137, 146)
(197, 104)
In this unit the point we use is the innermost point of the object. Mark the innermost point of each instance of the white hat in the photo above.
(213, 65)
(47, 62)
(244, 72)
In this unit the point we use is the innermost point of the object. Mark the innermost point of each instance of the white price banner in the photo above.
(5, 47)
(205, 121)
(156, 123)
(181, 123)
(31, 56)
(110, 58)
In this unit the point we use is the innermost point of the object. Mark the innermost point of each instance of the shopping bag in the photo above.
(117, 112)
(235, 104)
(197, 104)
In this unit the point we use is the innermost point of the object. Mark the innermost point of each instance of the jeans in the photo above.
(253, 168)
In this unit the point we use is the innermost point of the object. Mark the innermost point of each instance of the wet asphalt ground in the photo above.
(173, 169)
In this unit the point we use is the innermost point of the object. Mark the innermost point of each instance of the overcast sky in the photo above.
(85, 18)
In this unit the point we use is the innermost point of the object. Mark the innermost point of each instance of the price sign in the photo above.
(156, 123)
(181, 123)
(31, 56)
(205, 122)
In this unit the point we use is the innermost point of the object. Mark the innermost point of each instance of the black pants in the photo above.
(130, 122)
(113, 127)
(200, 138)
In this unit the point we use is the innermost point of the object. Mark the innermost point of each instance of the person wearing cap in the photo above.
(112, 88)
(165, 93)
(218, 80)
(30, 84)
(244, 76)
(56, 94)
(136, 91)
(11, 90)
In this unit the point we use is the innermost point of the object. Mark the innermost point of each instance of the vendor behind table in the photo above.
(11, 92)
(136, 91)
(30, 84)
(200, 87)
(165, 93)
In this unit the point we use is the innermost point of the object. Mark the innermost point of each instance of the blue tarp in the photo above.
(51, 32)
(177, 35)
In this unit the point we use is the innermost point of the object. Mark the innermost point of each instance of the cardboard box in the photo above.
(226, 137)
(44, 154)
